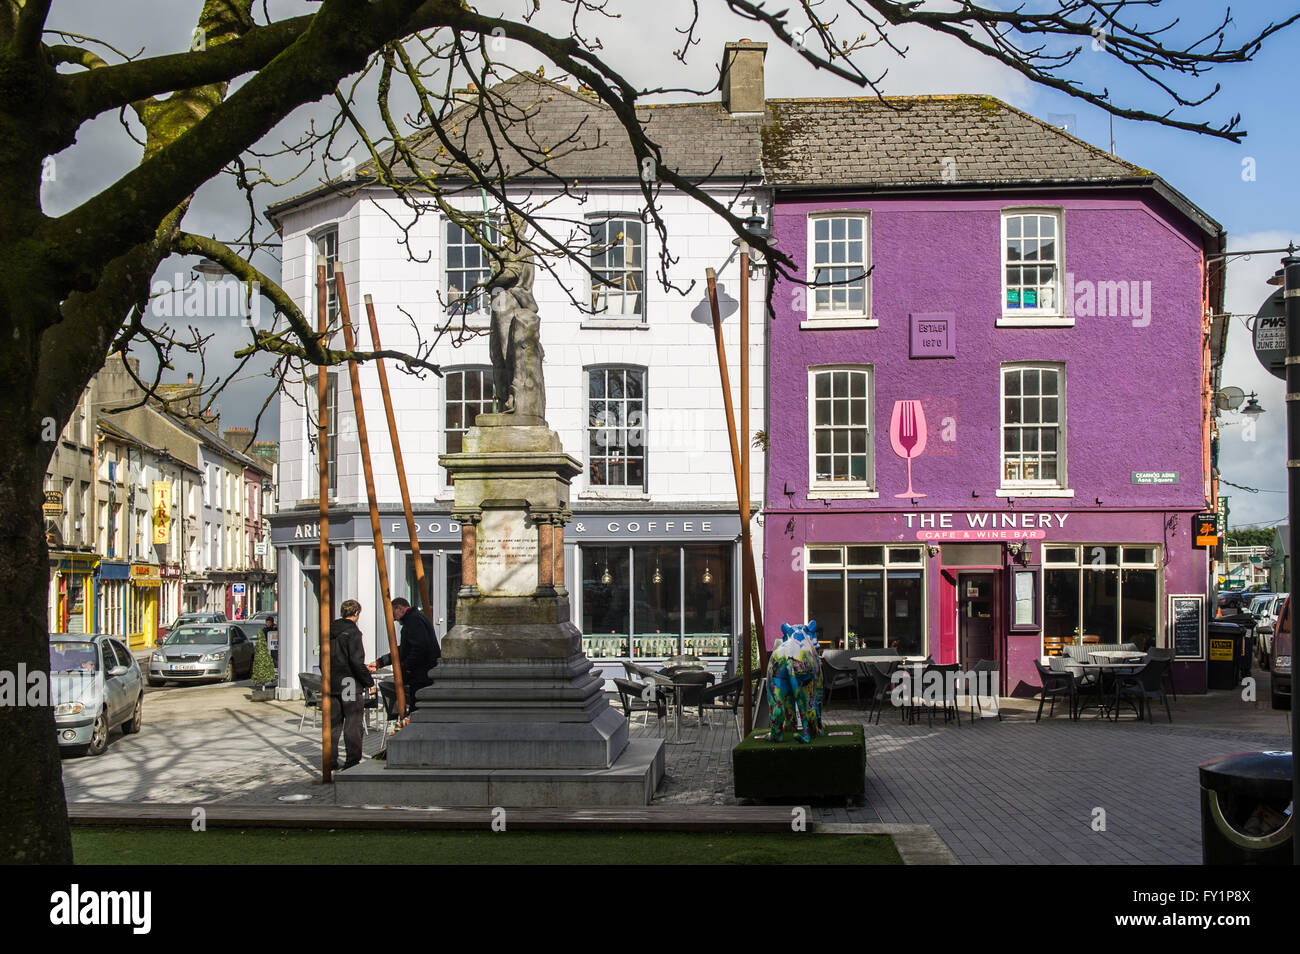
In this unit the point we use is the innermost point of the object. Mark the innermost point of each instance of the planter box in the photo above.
(833, 764)
(263, 693)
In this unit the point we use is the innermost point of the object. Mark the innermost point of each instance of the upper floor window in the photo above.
(839, 260)
(840, 441)
(616, 427)
(1031, 260)
(1033, 426)
(469, 266)
(618, 261)
(327, 247)
(469, 394)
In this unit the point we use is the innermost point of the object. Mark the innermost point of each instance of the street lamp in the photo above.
(1252, 408)
(210, 270)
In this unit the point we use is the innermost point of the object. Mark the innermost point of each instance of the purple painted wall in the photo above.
(1133, 388)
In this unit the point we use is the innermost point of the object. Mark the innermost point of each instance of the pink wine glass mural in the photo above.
(907, 434)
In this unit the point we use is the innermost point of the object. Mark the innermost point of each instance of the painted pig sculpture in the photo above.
(794, 684)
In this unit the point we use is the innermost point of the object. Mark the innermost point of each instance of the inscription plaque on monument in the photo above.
(507, 553)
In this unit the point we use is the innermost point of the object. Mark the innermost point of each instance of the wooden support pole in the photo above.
(749, 578)
(381, 560)
(746, 543)
(423, 592)
(323, 493)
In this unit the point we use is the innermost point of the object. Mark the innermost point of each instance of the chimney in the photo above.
(742, 77)
(189, 377)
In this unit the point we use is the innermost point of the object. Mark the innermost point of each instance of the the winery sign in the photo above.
(984, 526)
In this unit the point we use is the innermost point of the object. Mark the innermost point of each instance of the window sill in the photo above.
(826, 493)
(1034, 492)
(630, 323)
(614, 493)
(829, 323)
(1036, 321)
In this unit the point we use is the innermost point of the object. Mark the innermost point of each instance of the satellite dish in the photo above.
(1229, 398)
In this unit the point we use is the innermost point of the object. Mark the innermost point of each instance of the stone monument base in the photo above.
(629, 783)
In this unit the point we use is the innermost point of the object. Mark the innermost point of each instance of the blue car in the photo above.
(95, 686)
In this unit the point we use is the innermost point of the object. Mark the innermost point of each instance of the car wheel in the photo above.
(132, 725)
(98, 736)
(230, 670)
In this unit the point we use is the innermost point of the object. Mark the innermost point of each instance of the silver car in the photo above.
(95, 686)
(1265, 608)
(201, 651)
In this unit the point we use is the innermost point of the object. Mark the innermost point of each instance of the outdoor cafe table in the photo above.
(1118, 656)
(1111, 669)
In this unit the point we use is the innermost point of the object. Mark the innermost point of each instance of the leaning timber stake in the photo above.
(381, 562)
(323, 493)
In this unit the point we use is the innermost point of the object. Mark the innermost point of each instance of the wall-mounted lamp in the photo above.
(1098, 501)
(974, 494)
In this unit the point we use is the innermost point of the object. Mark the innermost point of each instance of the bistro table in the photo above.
(1118, 656)
(1111, 669)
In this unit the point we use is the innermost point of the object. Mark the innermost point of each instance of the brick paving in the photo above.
(1011, 792)
(1015, 792)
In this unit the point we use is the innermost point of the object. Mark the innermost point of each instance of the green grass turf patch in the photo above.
(222, 846)
(832, 764)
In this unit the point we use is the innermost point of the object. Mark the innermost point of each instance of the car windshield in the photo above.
(73, 657)
(197, 635)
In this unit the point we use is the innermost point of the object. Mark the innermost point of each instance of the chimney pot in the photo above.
(189, 378)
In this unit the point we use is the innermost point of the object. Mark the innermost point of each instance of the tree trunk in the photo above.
(34, 825)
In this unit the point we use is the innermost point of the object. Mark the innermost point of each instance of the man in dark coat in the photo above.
(350, 682)
(418, 651)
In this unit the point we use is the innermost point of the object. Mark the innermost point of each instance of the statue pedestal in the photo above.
(516, 715)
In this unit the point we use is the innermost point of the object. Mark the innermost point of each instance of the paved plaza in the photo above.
(1015, 791)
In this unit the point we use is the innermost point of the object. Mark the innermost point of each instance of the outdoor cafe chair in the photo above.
(1054, 685)
(1165, 655)
(724, 696)
(388, 698)
(837, 674)
(310, 683)
(948, 686)
(972, 692)
(1145, 685)
(879, 673)
(632, 700)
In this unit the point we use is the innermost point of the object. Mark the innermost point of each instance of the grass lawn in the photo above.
(230, 846)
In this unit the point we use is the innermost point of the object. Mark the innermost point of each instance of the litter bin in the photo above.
(1246, 657)
(1245, 809)
(1221, 669)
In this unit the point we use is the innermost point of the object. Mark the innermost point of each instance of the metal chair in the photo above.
(310, 683)
(1146, 684)
(631, 697)
(1054, 685)
(881, 686)
(983, 666)
(837, 674)
(723, 696)
(1165, 655)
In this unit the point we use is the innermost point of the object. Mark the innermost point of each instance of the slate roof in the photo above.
(830, 143)
(908, 140)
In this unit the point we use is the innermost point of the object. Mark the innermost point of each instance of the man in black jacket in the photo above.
(418, 651)
(350, 682)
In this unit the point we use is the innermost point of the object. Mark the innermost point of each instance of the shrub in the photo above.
(263, 668)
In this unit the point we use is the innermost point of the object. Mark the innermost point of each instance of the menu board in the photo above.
(1187, 622)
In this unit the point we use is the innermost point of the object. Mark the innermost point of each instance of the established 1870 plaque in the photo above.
(506, 553)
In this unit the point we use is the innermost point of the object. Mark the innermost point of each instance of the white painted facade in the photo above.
(689, 483)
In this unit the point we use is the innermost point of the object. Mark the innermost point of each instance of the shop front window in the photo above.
(1100, 593)
(672, 599)
(868, 597)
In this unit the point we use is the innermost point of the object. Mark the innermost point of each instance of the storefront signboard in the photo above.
(145, 574)
(1187, 622)
(162, 512)
(1025, 525)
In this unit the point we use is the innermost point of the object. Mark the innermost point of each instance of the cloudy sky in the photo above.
(1246, 187)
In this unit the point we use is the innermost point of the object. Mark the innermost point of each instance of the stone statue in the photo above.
(516, 343)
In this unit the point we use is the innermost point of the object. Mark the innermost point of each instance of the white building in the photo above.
(633, 389)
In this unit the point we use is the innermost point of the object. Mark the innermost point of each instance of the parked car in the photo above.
(1282, 658)
(1264, 608)
(268, 615)
(1233, 602)
(200, 651)
(215, 617)
(95, 685)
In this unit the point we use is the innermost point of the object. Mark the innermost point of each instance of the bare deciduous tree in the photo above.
(76, 287)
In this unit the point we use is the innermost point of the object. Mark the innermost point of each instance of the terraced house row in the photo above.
(151, 513)
(948, 460)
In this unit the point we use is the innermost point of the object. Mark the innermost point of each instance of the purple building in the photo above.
(989, 419)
